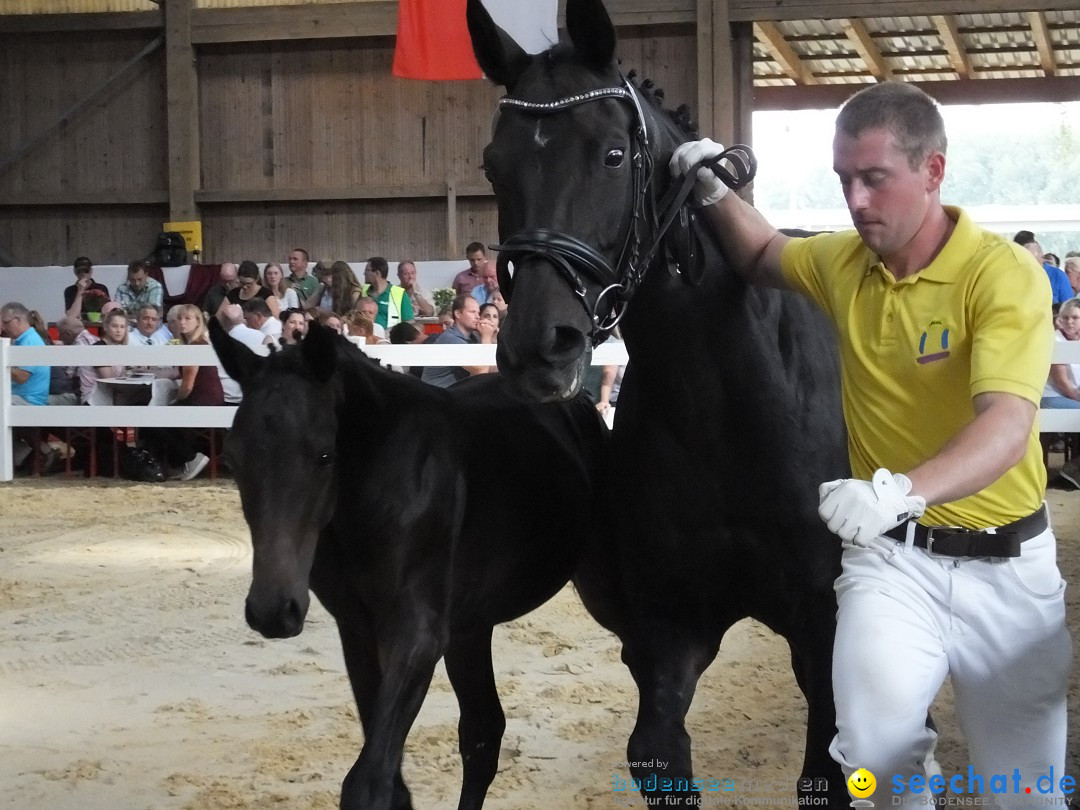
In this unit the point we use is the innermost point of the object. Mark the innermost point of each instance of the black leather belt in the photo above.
(956, 541)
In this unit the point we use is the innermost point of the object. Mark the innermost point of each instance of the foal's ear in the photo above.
(239, 362)
(319, 350)
(591, 31)
(502, 60)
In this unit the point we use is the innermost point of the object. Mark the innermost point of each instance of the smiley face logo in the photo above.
(861, 784)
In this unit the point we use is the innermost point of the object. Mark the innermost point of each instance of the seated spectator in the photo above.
(231, 317)
(147, 330)
(38, 324)
(293, 327)
(466, 314)
(331, 320)
(1052, 259)
(283, 292)
(1059, 282)
(1072, 272)
(257, 315)
(322, 299)
(1061, 389)
(490, 313)
(500, 303)
(29, 385)
(199, 385)
(139, 289)
(344, 289)
(421, 299)
(306, 284)
(64, 385)
(407, 333)
(114, 332)
(172, 323)
(394, 306)
(251, 288)
(369, 308)
(471, 276)
(446, 317)
(217, 294)
(85, 297)
(484, 292)
(360, 326)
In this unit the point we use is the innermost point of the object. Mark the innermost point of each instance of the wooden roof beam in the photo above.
(1040, 32)
(859, 36)
(769, 36)
(950, 38)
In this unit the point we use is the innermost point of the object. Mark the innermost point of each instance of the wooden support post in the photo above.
(181, 92)
(452, 247)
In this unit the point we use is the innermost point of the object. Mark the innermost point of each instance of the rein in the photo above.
(573, 258)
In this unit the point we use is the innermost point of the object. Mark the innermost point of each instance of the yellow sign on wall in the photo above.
(191, 231)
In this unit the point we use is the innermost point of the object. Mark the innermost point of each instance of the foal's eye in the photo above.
(326, 459)
(614, 158)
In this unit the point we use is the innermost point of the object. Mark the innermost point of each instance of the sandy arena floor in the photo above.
(128, 678)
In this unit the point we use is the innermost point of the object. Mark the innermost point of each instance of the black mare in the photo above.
(729, 415)
(420, 517)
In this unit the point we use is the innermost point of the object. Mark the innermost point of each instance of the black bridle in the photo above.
(574, 258)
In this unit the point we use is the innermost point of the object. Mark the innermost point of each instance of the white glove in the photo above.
(708, 189)
(858, 511)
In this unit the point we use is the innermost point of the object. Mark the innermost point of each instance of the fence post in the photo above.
(7, 471)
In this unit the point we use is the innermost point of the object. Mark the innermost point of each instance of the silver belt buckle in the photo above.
(930, 537)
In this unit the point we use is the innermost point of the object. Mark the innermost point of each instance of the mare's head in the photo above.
(571, 161)
(282, 451)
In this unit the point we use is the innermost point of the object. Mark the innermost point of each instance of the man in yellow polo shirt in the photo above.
(945, 338)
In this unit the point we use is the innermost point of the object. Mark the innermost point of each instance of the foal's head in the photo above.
(282, 451)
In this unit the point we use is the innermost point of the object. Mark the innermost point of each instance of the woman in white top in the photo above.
(1061, 389)
(274, 280)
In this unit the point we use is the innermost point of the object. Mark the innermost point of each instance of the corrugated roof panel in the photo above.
(73, 6)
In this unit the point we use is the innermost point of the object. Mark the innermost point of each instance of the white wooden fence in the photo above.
(1051, 421)
(201, 417)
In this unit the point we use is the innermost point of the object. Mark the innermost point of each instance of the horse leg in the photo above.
(666, 666)
(358, 645)
(811, 660)
(480, 729)
(408, 647)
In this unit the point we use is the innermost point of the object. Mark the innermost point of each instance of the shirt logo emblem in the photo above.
(936, 334)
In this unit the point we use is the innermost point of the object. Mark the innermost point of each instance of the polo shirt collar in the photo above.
(945, 267)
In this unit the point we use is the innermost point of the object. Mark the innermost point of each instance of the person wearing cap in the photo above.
(85, 297)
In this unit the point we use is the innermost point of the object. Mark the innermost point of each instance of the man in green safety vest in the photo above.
(394, 304)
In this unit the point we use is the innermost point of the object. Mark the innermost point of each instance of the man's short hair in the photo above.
(472, 247)
(15, 310)
(403, 263)
(403, 332)
(459, 302)
(909, 114)
(82, 262)
(1072, 261)
(1024, 238)
(302, 252)
(144, 307)
(257, 306)
(379, 265)
(139, 265)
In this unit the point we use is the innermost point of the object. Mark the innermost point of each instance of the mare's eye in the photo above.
(614, 158)
(326, 459)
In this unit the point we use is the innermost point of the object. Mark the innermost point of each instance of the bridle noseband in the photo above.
(573, 258)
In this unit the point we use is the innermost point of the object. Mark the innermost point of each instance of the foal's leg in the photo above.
(358, 645)
(410, 642)
(480, 729)
(666, 665)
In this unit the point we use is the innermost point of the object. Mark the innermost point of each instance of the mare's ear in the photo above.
(502, 60)
(239, 362)
(591, 31)
(319, 350)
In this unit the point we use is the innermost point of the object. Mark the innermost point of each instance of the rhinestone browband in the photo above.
(569, 101)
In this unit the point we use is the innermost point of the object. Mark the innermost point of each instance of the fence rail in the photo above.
(203, 417)
(1050, 420)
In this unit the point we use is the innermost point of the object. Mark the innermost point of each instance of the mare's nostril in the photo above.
(567, 342)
